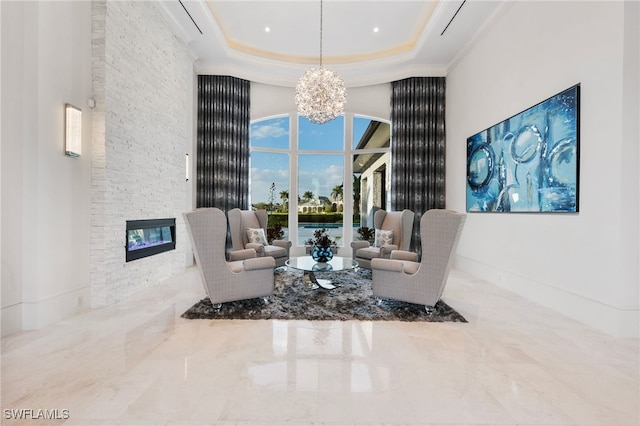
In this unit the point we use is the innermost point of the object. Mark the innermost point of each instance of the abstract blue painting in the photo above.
(529, 162)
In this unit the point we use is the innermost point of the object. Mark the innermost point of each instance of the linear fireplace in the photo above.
(149, 237)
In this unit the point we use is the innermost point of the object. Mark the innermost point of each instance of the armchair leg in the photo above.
(430, 310)
(217, 306)
(265, 300)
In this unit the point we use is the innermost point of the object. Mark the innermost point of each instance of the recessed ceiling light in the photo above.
(376, 29)
(267, 29)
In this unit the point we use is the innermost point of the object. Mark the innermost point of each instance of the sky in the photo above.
(318, 173)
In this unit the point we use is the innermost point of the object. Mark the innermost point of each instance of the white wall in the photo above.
(583, 264)
(46, 62)
(133, 157)
(268, 100)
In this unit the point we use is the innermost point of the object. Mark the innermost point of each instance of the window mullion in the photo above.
(296, 157)
(347, 212)
(293, 181)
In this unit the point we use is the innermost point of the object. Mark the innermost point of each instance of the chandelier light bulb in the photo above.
(321, 95)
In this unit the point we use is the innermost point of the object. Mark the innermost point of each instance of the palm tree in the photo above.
(284, 196)
(337, 192)
(272, 190)
(307, 196)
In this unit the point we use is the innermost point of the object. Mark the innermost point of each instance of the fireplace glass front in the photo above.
(149, 237)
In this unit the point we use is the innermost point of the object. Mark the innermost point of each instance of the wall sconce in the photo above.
(73, 130)
(186, 166)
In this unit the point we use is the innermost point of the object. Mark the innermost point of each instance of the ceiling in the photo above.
(413, 38)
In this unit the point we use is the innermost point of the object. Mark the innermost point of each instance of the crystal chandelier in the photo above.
(320, 92)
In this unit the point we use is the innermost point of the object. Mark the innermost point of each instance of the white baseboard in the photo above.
(613, 320)
(36, 315)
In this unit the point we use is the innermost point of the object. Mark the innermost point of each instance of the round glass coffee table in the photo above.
(310, 267)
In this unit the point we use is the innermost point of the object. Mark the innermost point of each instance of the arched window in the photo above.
(309, 176)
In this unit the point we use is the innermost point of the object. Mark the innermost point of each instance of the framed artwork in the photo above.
(528, 162)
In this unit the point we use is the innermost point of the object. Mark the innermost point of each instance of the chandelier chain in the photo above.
(320, 33)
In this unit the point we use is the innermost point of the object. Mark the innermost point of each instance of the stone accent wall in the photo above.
(378, 188)
(143, 84)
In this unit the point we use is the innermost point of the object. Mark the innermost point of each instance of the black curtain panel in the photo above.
(223, 142)
(418, 147)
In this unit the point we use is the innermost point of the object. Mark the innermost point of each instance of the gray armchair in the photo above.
(242, 220)
(404, 278)
(244, 276)
(401, 223)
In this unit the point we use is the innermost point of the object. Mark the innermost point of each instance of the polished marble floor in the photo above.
(139, 363)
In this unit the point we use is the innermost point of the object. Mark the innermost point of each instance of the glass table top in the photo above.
(337, 263)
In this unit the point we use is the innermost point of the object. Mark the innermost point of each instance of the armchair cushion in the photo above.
(404, 255)
(242, 254)
(404, 266)
(259, 263)
(368, 253)
(383, 237)
(236, 266)
(285, 244)
(386, 265)
(251, 264)
(386, 250)
(256, 236)
(275, 251)
(258, 248)
(356, 245)
(409, 267)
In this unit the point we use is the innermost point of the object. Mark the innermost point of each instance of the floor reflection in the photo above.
(142, 340)
(321, 357)
(138, 363)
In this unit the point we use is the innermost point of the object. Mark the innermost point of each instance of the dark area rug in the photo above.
(352, 300)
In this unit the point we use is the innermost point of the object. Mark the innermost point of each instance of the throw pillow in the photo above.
(383, 237)
(256, 235)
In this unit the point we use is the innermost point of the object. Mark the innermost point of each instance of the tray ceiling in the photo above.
(367, 42)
